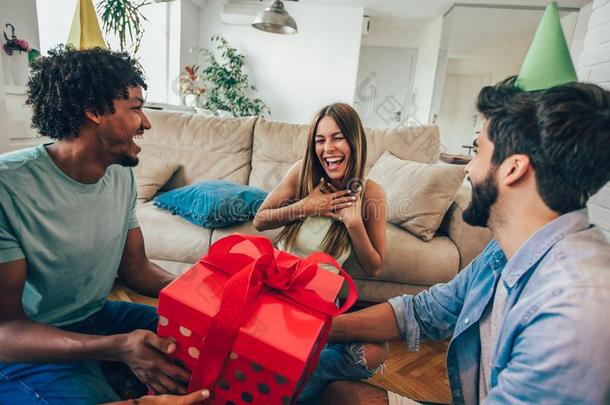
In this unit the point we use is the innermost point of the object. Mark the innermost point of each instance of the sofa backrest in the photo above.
(277, 145)
(207, 148)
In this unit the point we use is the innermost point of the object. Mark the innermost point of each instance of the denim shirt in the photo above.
(554, 343)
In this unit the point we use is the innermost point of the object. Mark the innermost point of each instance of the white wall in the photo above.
(4, 136)
(386, 35)
(594, 66)
(189, 32)
(457, 118)
(580, 30)
(54, 18)
(425, 71)
(296, 74)
(494, 69)
(22, 15)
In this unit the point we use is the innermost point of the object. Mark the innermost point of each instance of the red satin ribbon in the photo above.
(284, 274)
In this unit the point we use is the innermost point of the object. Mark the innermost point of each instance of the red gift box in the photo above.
(250, 320)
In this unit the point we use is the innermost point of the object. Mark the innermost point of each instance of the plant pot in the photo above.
(224, 114)
(190, 100)
(18, 68)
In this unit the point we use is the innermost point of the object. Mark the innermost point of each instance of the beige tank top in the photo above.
(310, 237)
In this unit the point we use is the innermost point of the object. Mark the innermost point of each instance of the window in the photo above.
(55, 18)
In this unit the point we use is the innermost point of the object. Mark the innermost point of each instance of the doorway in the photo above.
(384, 90)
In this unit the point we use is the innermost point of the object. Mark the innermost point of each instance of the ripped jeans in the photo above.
(338, 361)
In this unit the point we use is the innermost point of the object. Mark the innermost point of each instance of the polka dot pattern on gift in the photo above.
(193, 352)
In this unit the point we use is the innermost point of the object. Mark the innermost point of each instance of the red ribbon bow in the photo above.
(283, 274)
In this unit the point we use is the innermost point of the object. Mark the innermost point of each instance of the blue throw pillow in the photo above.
(213, 204)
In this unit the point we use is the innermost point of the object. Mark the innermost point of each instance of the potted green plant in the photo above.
(227, 85)
(191, 86)
(124, 18)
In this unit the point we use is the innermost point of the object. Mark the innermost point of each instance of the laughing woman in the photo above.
(325, 205)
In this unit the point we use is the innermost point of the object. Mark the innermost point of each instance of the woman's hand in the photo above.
(325, 199)
(350, 214)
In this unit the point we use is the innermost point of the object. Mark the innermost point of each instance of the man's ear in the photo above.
(516, 168)
(93, 117)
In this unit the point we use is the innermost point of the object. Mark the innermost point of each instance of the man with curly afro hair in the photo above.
(67, 228)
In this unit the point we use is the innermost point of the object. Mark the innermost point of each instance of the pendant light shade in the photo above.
(275, 19)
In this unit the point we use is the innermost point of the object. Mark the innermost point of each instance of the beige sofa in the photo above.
(258, 152)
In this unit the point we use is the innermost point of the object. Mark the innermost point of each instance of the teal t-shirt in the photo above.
(71, 234)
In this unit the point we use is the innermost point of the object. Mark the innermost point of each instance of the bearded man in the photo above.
(528, 316)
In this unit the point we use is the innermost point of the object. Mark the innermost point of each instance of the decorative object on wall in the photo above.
(20, 55)
(85, 32)
(124, 18)
(191, 86)
(275, 19)
(227, 84)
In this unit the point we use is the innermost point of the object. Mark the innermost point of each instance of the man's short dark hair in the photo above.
(68, 82)
(565, 131)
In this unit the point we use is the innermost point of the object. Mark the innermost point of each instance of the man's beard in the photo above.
(484, 195)
(127, 161)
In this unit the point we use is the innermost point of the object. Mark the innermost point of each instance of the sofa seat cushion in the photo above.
(170, 237)
(380, 291)
(410, 260)
(175, 268)
(246, 228)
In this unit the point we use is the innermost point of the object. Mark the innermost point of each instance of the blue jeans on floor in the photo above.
(74, 382)
(338, 361)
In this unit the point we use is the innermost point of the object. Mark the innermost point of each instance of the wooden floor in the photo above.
(421, 376)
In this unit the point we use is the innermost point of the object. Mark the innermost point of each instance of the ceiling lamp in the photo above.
(275, 19)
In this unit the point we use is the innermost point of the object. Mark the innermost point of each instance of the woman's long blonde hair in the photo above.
(336, 241)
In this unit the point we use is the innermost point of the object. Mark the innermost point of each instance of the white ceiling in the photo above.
(395, 12)
(496, 33)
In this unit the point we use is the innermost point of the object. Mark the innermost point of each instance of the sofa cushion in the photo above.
(418, 143)
(418, 194)
(277, 145)
(469, 239)
(172, 267)
(213, 203)
(151, 174)
(246, 228)
(409, 260)
(207, 148)
(170, 237)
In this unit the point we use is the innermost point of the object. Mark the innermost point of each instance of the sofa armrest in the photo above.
(470, 240)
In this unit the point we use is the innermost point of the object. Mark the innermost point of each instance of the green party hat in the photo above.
(548, 62)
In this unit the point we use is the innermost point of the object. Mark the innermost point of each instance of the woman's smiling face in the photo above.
(332, 149)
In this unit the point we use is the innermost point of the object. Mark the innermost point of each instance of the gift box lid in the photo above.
(279, 335)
